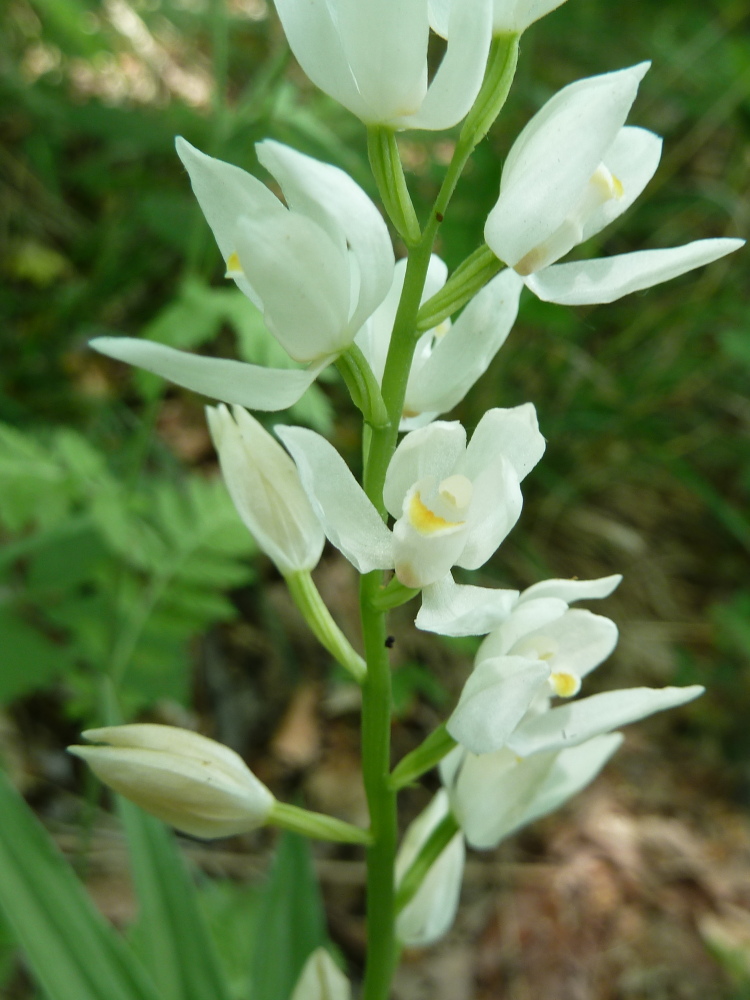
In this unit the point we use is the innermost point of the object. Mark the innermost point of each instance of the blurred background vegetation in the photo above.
(122, 559)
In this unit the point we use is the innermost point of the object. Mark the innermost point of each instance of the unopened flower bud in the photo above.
(321, 979)
(266, 489)
(195, 784)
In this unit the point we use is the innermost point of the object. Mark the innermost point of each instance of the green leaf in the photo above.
(232, 910)
(175, 944)
(291, 921)
(73, 953)
(29, 659)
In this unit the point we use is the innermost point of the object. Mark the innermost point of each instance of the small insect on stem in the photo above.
(439, 216)
(390, 641)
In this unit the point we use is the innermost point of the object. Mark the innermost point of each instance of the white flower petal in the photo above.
(449, 608)
(571, 772)
(492, 793)
(225, 192)
(495, 508)
(302, 280)
(578, 721)
(456, 84)
(632, 158)
(608, 278)
(428, 916)
(553, 159)
(494, 699)
(580, 639)
(515, 16)
(422, 559)
(430, 451)
(386, 45)
(572, 590)
(349, 520)
(525, 618)
(313, 37)
(252, 386)
(514, 432)
(465, 352)
(328, 196)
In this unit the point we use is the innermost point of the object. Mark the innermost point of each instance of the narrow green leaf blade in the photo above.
(73, 953)
(291, 922)
(176, 945)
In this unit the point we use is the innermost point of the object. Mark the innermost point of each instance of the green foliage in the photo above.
(73, 952)
(412, 680)
(102, 579)
(291, 920)
(171, 935)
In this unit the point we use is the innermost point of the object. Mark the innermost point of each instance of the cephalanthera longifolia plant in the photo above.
(410, 341)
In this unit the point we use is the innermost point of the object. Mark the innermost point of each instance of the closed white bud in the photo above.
(321, 979)
(195, 784)
(266, 489)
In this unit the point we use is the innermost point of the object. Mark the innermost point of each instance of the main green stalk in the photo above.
(376, 690)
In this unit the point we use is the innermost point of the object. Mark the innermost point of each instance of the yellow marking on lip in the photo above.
(565, 684)
(423, 519)
(233, 266)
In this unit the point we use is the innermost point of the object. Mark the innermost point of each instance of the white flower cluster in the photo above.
(320, 267)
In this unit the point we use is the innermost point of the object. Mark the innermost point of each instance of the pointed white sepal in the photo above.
(350, 521)
(454, 609)
(577, 721)
(252, 386)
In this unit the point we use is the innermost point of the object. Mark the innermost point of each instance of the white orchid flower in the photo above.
(432, 910)
(265, 486)
(321, 979)
(372, 57)
(316, 267)
(453, 503)
(449, 359)
(195, 784)
(493, 795)
(509, 17)
(550, 756)
(459, 609)
(543, 649)
(574, 168)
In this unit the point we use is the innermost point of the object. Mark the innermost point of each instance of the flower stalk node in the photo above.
(362, 386)
(307, 598)
(470, 276)
(385, 161)
(498, 78)
(317, 825)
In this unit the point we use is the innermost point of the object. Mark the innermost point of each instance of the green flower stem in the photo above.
(317, 825)
(471, 275)
(432, 848)
(501, 68)
(388, 171)
(362, 385)
(376, 689)
(307, 598)
(393, 595)
(376, 763)
(423, 759)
